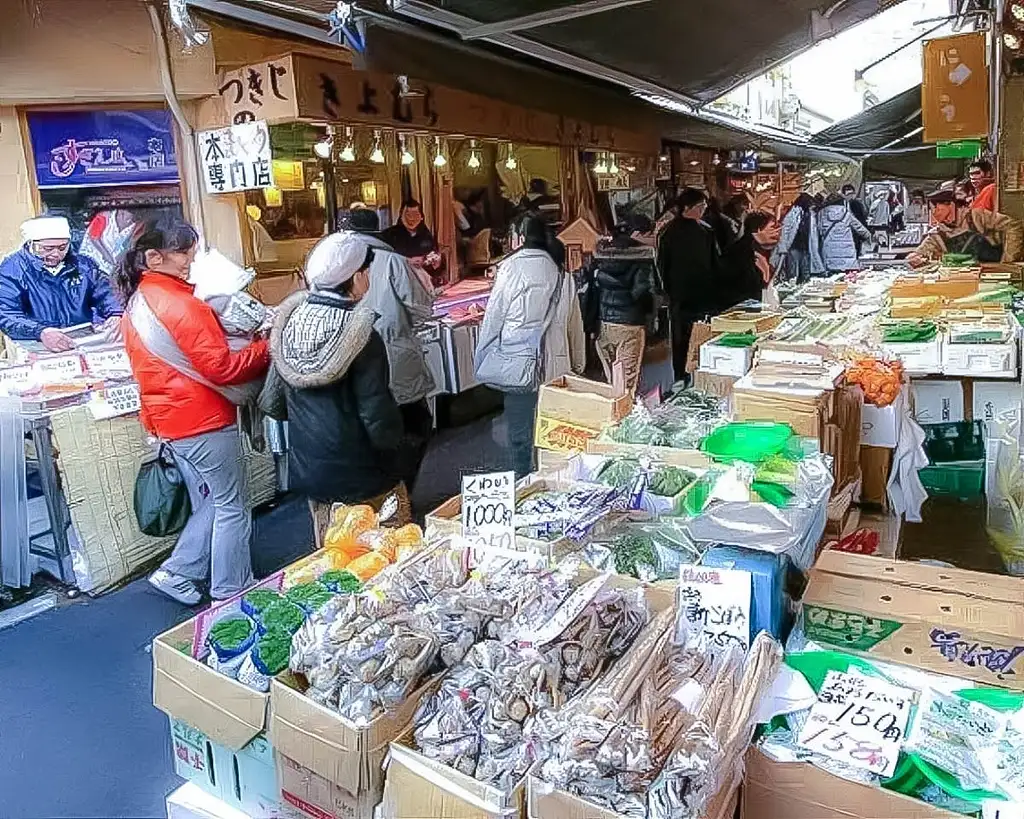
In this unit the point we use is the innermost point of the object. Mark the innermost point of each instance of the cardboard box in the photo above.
(919, 358)
(875, 465)
(545, 803)
(950, 621)
(740, 321)
(980, 360)
(185, 689)
(798, 790)
(992, 398)
(879, 426)
(720, 386)
(311, 796)
(244, 780)
(562, 436)
(938, 401)
(733, 361)
(420, 788)
(580, 401)
(321, 741)
(946, 286)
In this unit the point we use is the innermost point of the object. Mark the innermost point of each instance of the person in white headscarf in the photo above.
(330, 381)
(45, 288)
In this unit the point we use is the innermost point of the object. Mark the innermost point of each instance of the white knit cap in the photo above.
(46, 227)
(335, 260)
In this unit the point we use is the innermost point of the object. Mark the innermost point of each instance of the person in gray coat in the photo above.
(402, 305)
(837, 226)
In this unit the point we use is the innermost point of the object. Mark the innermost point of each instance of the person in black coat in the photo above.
(626, 281)
(330, 380)
(688, 259)
(858, 210)
(745, 264)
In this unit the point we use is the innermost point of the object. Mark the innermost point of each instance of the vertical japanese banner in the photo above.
(955, 90)
(236, 158)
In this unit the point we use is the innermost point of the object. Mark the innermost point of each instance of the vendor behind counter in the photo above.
(45, 288)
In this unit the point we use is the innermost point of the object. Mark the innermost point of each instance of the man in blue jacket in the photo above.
(45, 287)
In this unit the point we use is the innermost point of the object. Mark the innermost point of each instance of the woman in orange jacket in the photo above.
(189, 381)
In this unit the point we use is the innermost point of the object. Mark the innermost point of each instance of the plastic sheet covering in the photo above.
(15, 568)
(182, 19)
(1004, 489)
(793, 530)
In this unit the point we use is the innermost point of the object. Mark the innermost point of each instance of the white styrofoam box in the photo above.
(938, 402)
(245, 780)
(993, 398)
(192, 802)
(879, 426)
(734, 361)
(919, 358)
(981, 360)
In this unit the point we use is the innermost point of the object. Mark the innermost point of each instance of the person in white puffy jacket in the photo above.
(532, 333)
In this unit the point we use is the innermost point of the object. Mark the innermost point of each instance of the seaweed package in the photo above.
(267, 659)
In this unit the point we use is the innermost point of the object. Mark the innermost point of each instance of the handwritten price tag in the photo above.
(15, 378)
(488, 510)
(114, 401)
(861, 721)
(58, 369)
(717, 602)
(108, 363)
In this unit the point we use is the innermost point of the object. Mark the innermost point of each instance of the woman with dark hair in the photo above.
(330, 380)
(532, 333)
(730, 223)
(797, 251)
(747, 272)
(189, 383)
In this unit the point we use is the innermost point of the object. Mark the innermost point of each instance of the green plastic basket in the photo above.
(962, 480)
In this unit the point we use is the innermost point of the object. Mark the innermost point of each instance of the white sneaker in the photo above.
(176, 587)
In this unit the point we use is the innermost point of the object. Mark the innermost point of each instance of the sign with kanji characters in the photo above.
(114, 401)
(716, 602)
(859, 721)
(73, 149)
(488, 510)
(236, 158)
(108, 363)
(261, 91)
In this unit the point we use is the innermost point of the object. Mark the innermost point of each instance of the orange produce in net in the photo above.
(368, 566)
(880, 380)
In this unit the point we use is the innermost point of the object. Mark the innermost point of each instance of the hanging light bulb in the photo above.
(439, 160)
(407, 157)
(1011, 41)
(1017, 12)
(511, 163)
(377, 154)
(325, 147)
(348, 153)
(601, 166)
(613, 166)
(717, 160)
(474, 157)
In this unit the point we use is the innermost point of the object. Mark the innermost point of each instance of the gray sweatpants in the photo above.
(215, 541)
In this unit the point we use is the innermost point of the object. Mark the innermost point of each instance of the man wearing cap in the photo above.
(45, 288)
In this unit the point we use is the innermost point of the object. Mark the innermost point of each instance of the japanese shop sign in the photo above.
(236, 158)
(488, 510)
(74, 149)
(262, 91)
(716, 601)
(111, 402)
(860, 721)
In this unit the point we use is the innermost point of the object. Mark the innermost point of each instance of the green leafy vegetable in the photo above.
(259, 599)
(230, 633)
(341, 581)
(283, 616)
(311, 596)
(669, 481)
(633, 551)
(272, 651)
(618, 472)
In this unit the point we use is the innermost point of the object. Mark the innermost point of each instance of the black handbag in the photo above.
(162, 505)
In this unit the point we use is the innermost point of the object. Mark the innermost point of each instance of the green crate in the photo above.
(963, 480)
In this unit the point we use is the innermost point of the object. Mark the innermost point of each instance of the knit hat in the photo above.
(46, 227)
(335, 260)
(363, 220)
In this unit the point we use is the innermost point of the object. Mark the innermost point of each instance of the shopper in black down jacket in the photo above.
(688, 259)
(330, 372)
(626, 285)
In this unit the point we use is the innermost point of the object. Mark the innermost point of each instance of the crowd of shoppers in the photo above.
(345, 366)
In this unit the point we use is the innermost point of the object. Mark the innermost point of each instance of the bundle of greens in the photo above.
(256, 601)
(270, 654)
(310, 596)
(633, 553)
(230, 636)
(282, 616)
(341, 581)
